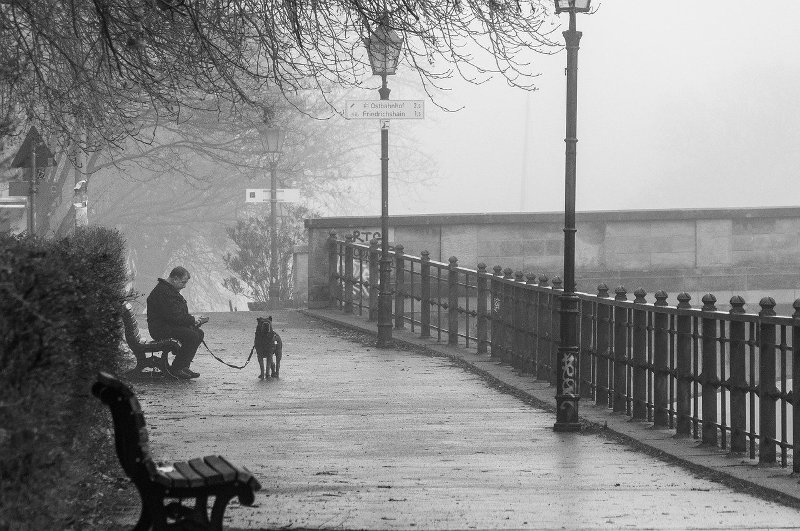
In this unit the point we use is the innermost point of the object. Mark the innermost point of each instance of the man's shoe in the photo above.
(172, 371)
(192, 373)
(183, 374)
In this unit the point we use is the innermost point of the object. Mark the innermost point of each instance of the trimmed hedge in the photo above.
(60, 305)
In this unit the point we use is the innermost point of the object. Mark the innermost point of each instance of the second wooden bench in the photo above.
(195, 479)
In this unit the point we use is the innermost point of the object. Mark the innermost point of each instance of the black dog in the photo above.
(268, 346)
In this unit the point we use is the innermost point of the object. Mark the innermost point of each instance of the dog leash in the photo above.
(226, 363)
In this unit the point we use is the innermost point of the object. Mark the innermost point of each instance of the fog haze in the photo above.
(680, 105)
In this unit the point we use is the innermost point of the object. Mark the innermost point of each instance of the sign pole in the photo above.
(274, 284)
(385, 267)
(32, 193)
(32, 147)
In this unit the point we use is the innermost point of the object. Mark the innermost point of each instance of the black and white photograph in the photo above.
(399, 265)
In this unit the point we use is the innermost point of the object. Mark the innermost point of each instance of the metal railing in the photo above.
(722, 377)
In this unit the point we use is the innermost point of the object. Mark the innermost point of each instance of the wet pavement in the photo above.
(354, 437)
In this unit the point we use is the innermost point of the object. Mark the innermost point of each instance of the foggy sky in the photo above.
(681, 104)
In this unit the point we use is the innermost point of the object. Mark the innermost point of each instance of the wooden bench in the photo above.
(196, 479)
(159, 350)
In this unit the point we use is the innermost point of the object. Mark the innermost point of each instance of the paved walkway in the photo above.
(352, 437)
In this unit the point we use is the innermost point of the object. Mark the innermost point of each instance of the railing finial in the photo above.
(621, 293)
(639, 296)
(602, 291)
(683, 300)
(661, 298)
(708, 302)
(767, 307)
(737, 304)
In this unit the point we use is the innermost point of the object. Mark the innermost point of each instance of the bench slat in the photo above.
(244, 475)
(211, 476)
(176, 479)
(154, 475)
(220, 465)
(194, 479)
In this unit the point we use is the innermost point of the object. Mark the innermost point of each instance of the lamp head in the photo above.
(383, 47)
(572, 6)
(273, 138)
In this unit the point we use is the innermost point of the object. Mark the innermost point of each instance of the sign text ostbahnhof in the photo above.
(385, 110)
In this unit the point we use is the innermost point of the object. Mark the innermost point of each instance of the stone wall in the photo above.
(748, 252)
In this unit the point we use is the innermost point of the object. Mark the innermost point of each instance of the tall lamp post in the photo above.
(273, 139)
(567, 378)
(383, 47)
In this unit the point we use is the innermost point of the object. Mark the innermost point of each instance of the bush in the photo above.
(60, 305)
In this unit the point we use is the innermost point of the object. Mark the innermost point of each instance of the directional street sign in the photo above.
(385, 110)
(24, 157)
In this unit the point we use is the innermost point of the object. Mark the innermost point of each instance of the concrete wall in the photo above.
(748, 252)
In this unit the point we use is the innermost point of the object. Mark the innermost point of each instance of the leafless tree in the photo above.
(173, 192)
(87, 71)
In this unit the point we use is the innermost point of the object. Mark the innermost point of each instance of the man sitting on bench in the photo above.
(168, 317)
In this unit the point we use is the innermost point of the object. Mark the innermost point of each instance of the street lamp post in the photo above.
(567, 378)
(273, 138)
(383, 47)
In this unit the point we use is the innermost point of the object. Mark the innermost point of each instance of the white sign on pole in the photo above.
(256, 195)
(262, 195)
(288, 195)
(385, 110)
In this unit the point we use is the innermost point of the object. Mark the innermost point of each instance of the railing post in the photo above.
(425, 292)
(508, 312)
(497, 309)
(684, 367)
(333, 270)
(452, 302)
(639, 352)
(482, 284)
(796, 387)
(543, 325)
(767, 391)
(660, 362)
(374, 274)
(710, 377)
(518, 354)
(348, 274)
(620, 394)
(586, 385)
(555, 327)
(530, 325)
(601, 395)
(399, 290)
(737, 380)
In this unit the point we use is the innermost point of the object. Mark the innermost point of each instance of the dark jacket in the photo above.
(166, 308)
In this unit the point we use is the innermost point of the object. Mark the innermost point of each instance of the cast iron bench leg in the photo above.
(201, 506)
(218, 510)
